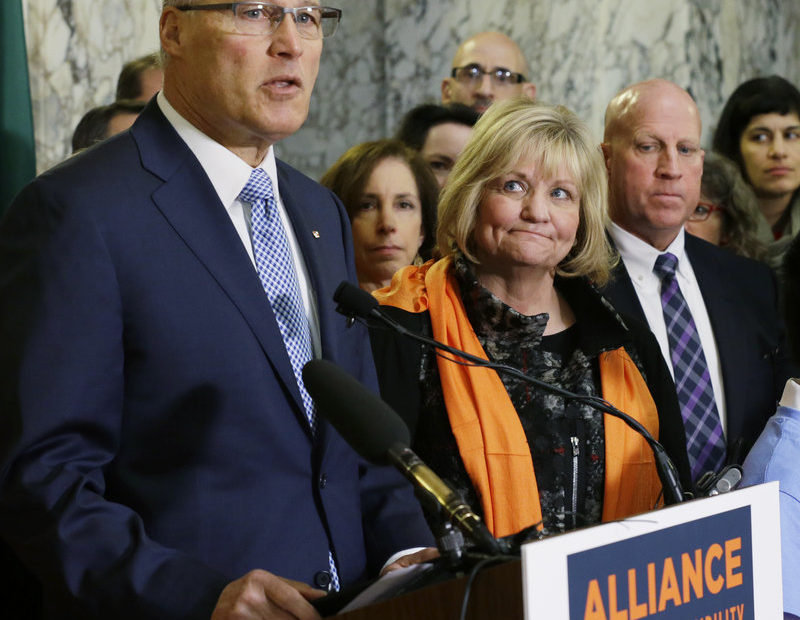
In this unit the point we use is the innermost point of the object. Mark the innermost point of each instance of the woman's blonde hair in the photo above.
(522, 130)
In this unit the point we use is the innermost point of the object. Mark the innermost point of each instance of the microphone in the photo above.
(727, 479)
(352, 301)
(380, 436)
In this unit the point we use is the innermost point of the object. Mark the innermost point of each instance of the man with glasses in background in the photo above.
(159, 295)
(487, 67)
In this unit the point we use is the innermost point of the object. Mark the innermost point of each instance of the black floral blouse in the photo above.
(566, 438)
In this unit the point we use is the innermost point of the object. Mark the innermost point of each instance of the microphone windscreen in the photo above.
(367, 423)
(353, 300)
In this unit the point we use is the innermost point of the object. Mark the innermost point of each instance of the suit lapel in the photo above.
(300, 217)
(620, 292)
(317, 252)
(303, 223)
(189, 203)
(721, 305)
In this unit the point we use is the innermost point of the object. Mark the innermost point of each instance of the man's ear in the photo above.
(169, 30)
(529, 89)
(446, 91)
(606, 148)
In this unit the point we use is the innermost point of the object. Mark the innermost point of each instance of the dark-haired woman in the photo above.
(390, 195)
(727, 214)
(759, 129)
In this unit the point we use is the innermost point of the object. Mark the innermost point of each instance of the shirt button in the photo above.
(323, 481)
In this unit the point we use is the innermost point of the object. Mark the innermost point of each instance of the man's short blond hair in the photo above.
(521, 130)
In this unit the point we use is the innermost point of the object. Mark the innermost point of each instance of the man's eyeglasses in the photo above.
(260, 18)
(472, 74)
(703, 211)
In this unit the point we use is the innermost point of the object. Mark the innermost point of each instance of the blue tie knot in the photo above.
(666, 265)
(258, 187)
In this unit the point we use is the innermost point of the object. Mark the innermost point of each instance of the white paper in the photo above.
(384, 586)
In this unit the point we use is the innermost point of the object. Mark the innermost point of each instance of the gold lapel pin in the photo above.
(315, 233)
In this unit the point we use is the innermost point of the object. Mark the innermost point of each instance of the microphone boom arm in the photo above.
(667, 473)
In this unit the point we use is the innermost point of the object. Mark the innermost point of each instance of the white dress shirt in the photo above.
(639, 258)
(791, 394)
(229, 174)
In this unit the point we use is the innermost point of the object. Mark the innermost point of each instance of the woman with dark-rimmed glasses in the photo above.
(727, 214)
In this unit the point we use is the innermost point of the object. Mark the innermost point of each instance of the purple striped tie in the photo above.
(704, 438)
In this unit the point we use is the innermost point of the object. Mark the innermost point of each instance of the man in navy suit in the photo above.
(654, 160)
(158, 460)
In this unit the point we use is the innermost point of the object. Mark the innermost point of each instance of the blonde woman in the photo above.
(521, 230)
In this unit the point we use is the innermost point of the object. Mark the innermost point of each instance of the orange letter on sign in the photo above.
(714, 585)
(594, 603)
(636, 611)
(692, 575)
(669, 586)
(731, 562)
(613, 613)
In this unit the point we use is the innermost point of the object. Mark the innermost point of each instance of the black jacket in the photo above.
(741, 298)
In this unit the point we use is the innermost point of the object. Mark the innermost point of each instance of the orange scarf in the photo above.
(488, 432)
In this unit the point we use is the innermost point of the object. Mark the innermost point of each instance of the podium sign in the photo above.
(716, 558)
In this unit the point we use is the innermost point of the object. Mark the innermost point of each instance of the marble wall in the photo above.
(76, 49)
(389, 55)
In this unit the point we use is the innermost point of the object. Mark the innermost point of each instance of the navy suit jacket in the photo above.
(156, 447)
(741, 298)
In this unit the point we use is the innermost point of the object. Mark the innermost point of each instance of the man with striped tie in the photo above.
(714, 314)
(159, 295)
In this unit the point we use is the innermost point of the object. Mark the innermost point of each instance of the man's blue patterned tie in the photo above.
(276, 271)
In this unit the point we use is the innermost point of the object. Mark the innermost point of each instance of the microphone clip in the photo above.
(711, 483)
